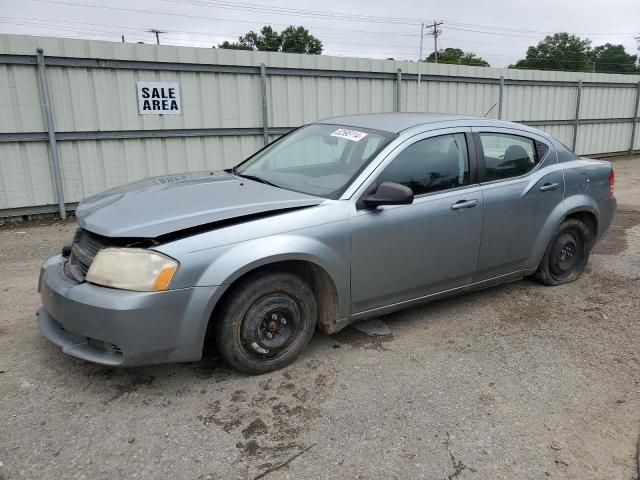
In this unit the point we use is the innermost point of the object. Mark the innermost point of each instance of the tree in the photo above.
(558, 52)
(234, 46)
(267, 40)
(299, 40)
(612, 58)
(458, 57)
(291, 40)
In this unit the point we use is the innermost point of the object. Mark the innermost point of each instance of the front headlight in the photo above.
(132, 269)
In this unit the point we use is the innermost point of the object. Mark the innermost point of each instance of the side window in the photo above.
(507, 156)
(430, 165)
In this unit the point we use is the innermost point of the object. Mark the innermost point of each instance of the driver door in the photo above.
(405, 252)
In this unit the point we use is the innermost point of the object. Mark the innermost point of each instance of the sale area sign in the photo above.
(159, 98)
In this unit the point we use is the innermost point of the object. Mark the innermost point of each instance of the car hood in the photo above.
(161, 205)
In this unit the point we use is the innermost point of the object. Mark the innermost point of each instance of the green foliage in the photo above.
(290, 40)
(299, 40)
(558, 52)
(458, 57)
(566, 52)
(234, 46)
(612, 58)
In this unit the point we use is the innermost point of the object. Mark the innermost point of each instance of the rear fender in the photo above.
(573, 204)
(554, 219)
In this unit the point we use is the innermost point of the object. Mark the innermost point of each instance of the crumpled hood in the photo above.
(160, 205)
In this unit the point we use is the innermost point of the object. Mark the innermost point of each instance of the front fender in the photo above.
(325, 246)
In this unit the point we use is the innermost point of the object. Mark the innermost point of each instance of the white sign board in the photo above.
(159, 98)
(353, 135)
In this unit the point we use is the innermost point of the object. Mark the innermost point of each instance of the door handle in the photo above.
(547, 187)
(464, 204)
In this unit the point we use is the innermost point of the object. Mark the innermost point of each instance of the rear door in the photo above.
(404, 252)
(521, 184)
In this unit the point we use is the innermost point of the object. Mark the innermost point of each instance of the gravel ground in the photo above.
(518, 381)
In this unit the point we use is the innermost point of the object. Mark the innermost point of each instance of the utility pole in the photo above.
(157, 32)
(122, 38)
(435, 32)
(419, 95)
(422, 38)
(638, 56)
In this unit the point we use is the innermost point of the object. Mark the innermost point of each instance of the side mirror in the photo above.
(389, 193)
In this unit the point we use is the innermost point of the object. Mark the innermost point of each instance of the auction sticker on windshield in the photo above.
(352, 135)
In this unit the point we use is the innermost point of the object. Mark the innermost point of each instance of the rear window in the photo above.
(507, 156)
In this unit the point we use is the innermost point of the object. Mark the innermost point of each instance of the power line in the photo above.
(434, 27)
(117, 28)
(329, 16)
(253, 7)
(354, 17)
(538, 32)
(203, 17)
(112, 34)
(35, 22)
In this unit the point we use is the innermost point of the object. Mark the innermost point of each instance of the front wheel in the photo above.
(566, 256)
(266, 322)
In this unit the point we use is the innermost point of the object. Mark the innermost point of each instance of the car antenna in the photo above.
(489, 111)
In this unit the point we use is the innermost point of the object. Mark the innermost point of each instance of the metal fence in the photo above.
(70, 125)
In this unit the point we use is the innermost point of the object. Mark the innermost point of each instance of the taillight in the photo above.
(612, 180)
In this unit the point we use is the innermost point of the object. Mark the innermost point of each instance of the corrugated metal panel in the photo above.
(104, 99)
(607, 102)
(564, 133)
(89, 167)
(294, 101)
(603, 138)
(20, 100)
(25, 178)
(539, 103)
(444, 97)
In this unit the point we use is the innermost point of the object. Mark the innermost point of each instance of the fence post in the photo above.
(398, 86)
(634, 126)
(501, 98)
(54, 159)
(263, 94)
(577, 117)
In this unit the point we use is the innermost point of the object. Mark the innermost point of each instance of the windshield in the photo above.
(318, 159)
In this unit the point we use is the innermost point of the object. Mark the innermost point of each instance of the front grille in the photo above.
(106, 346)
(84, 249)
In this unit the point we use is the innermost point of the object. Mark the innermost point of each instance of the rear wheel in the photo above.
(266, 322)
(567, 253)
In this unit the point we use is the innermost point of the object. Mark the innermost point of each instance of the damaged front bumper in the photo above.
(119, 327)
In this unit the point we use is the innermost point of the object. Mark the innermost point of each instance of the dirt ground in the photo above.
(518, 381)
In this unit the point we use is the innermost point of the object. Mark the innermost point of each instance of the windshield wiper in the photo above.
(257, 179)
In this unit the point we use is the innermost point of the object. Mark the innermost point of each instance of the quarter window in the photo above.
(507, 156)
(430, 165)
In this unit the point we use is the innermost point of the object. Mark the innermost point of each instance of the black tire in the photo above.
(266, 321)
(567, 254)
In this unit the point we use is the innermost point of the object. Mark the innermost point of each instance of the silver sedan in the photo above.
(340, 220)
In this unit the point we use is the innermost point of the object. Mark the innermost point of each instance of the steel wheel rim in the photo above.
(566, 255)
(271, 325)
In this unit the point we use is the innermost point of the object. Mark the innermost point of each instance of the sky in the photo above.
(497, 30)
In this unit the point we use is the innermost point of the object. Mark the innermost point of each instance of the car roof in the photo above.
(397, 122)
